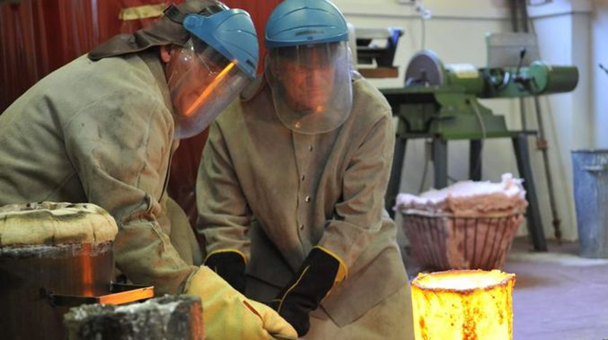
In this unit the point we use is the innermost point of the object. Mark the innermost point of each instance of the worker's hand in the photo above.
(321, 271)
(228, 314)
(230, 265)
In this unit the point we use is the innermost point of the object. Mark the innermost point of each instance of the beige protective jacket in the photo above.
(273, 195)
(101, 132)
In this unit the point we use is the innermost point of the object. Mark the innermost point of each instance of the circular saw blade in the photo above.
(425, 69)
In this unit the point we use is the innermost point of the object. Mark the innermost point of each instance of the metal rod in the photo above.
(535, 227)
(524, 15)
(475, 166)
(474, 258)
(500, 242)
(543, 146)
(541, 142)
(514, 22)
(440, 162)
(491, 260)
(484, 245)
(522, 113)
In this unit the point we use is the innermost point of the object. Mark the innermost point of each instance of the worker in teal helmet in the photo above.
(103, 128)
(297, 169)
(308, 66)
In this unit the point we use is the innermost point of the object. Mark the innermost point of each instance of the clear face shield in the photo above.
(311, 85)
(202, 83)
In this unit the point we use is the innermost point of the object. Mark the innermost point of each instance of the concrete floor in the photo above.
(558, 295)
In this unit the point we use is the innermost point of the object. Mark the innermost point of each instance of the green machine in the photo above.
(443, 99)
(441, 102)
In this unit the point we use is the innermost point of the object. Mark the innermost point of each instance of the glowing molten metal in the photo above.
(463, 304)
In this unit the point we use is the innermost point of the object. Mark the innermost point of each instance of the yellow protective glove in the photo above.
(228, 314)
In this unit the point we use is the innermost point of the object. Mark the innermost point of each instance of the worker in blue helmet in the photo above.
(297, 170)
(308, 67)
(103, 128)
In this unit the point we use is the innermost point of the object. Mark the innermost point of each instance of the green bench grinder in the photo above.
(440, 102)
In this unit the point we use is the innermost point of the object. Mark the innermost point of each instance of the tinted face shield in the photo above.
(202, 83)
(311, 85)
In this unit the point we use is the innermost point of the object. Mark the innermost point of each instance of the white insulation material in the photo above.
(470, 198)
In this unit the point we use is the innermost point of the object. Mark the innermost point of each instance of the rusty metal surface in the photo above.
(29, 274)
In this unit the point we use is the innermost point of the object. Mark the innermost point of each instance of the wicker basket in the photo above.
(442, 241)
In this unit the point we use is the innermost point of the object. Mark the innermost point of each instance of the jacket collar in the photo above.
(152, 60)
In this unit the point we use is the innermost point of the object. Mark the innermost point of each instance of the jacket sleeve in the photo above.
(358, 216)
(120, 148)
(223, 212)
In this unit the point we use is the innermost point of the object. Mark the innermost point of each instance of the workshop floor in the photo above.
(558, 295)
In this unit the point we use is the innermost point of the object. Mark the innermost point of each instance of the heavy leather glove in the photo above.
(230, 265)
(320, 272)
(228, 314)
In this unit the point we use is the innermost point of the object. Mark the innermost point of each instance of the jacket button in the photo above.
(308, 199)
(310, 148)
(301, 227)
(303, 178)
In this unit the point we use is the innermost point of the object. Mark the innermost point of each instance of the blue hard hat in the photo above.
(231, 33)
(299, 22)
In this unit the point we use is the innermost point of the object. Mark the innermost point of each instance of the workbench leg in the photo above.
(535, 227)
(394, 182)
(475, 160)
(440, 162)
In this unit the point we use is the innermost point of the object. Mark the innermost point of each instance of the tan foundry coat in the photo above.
(275, 194)
(101, 132)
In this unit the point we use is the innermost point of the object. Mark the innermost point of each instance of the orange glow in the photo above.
(209, 89)
(463, 304)
(128, 296)
(87, 270)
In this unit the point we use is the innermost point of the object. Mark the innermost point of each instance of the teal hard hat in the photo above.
(299, 22)
(231, 33)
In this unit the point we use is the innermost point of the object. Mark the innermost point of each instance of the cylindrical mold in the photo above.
(168, 317)
(50, 249)
(463, 304)
(590, 171)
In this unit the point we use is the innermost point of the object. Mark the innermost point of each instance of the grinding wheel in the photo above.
(425, 68)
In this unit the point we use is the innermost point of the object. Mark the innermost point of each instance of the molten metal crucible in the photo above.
(463, 304)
